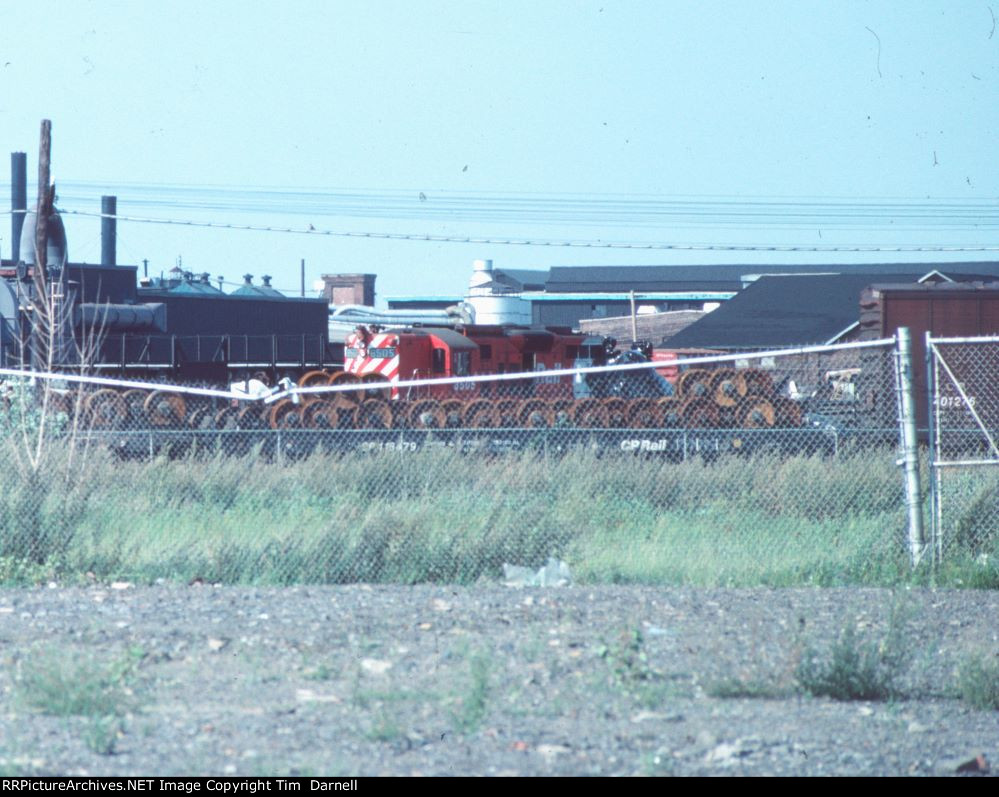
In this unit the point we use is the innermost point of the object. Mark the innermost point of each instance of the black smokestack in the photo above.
(109, 209)
(18, 200)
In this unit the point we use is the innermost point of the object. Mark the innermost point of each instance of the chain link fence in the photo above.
(760, 468)
(964, 424)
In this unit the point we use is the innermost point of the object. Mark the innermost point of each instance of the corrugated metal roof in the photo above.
(197, 288)
(783, 311)
(522, 278)
(727, 276)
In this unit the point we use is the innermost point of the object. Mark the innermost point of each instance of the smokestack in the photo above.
(18, 199)
(109, 207)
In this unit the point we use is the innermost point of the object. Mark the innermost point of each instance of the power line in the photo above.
(576, 209)
(505, 241)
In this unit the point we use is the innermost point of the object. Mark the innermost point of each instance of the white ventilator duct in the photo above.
(494, 302)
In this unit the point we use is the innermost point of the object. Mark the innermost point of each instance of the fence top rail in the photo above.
(977, 339)
(964, 463)
(59, 376)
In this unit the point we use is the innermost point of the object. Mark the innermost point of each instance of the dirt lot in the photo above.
(116, 679)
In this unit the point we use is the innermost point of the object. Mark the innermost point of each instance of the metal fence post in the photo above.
(910, 445)
(933, 447)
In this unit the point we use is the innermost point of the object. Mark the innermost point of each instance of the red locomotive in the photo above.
(378, 360)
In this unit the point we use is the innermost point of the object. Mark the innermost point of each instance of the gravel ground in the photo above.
(486, 680)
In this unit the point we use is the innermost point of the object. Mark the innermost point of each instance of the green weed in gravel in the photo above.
(734, 688)
(473, 699)
(632, 672)
(855, 668)
(64, 685)
(100, 734)
(978, 680)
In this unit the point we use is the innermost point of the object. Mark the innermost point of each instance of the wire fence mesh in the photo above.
(761, 468)
(965, 449)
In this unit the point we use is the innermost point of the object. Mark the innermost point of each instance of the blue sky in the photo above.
(494, 110)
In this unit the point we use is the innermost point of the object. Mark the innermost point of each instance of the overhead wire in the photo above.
(545, 242)
(583, 210)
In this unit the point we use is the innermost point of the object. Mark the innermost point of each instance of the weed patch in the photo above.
(854, 668)
(978, 681)
(632, 672)
(64, 687)
(473, 700)
(735, 688)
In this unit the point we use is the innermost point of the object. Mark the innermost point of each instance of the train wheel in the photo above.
(321, 414)
(589, 413)
(536, 414)
(669, 406)
(61, 402)
(165, 409)
(227, 418)
(285, 414)
(644, 413)
(106, 409)
(617, 412)
(788, 412)
(728, 387)
(314, 379)
(400, 414)
(757, 413)
(376, 386)
(481, 414)
(135, 400)
(427, 414)
(346, 397)
(694, 383)
(699, 413)
(508, 409)
(758, 383)
(563, 411)
(249, 417)
(454, 411)
(373, 413)
(201, 418)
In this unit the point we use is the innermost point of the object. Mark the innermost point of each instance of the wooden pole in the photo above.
(42, 213)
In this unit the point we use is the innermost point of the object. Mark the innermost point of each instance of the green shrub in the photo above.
(854, 668)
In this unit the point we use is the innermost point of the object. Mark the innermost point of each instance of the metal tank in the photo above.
(57, 253)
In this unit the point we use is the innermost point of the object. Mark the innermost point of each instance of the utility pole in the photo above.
(303, 277)
(43, 211)
(42, 315)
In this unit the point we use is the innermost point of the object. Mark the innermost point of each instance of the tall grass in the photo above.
(444, 516)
